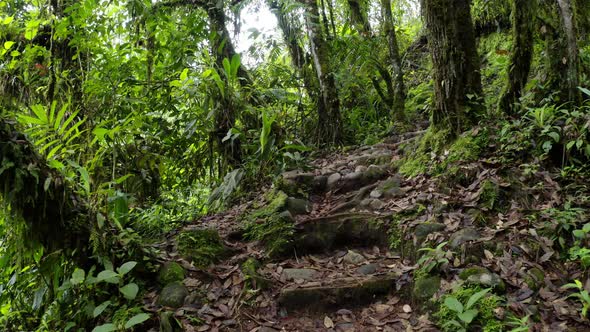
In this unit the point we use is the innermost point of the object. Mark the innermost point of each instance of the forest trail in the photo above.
(361, 253)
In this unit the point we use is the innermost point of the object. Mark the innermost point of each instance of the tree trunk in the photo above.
(523, 14)
(399, 93)
(358, 17)
(299, 57)
(225, 116)
(329, 120)
(568, 22)
(54, 216)
(457, 80)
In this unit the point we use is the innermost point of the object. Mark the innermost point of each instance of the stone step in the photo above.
(317, 296)
(341, 230)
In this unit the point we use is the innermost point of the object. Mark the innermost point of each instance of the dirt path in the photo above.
(351, 262)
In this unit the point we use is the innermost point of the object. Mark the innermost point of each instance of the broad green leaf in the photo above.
(8, 44)
(98, 310)
(584, 90)
(31, 29)
(109, 327)
(7, 20)
(475, 297)
(184, 74)
(125, 268)
(137, 319)
(108, 276)
(467, 316)
(453, 304)
(129, 291)
(77, 276)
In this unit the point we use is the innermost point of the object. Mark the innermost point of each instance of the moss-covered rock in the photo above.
(170, 272)
(173, 295)
(202, 246)
(474, 270)
(535, 278)
(425, 288)
(251, 276)
(296, 183)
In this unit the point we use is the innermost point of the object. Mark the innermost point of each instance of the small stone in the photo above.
(366, 202)
(367, 269)
(487, 279)
(299, 274)
(374, 171)
(377, 204)
(464, 235)
(352, 176)
(345, 327)
(406, 308)
(333, 180)
(353, 257)
(423, 229)
(377, 193)
(173, 295)
(360, 169)
(298, 206)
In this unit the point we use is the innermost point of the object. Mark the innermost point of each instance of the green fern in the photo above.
(54, 132)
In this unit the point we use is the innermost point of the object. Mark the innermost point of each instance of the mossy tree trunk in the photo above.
(523, 14)
(358, 16)
(558, 29)
(399, 93)
(225, 117)
(568, 23)
(54, 216)
(329, 119)
(457, 80)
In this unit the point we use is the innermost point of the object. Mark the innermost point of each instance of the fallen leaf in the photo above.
(328, 323)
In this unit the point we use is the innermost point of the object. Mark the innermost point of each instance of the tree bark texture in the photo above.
(523, 15)
(329, 119)
(399, 93)
(568, 22)
(455, 61)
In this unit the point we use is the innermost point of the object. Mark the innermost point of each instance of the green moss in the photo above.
(252, 279)
(170, 272)
(395, 235)
(466, 148)
(202, 246)
(425, 287)
(466, 273)
(485, 319)
(490, 193)
(274, 202)
(419, 161)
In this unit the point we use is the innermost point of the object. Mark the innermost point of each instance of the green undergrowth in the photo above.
(202, 246)
(396, 234)
(485, 319)
(270, 224)
(434, 156)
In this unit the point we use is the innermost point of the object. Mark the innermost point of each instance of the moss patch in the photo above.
(170, 272)
(202, 246)
(270, 224)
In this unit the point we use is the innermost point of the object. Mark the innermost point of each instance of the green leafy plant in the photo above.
(518, 324)
(464, 313)
(582, 295)
(431, 259)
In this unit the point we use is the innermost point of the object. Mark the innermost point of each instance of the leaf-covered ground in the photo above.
(355, 259)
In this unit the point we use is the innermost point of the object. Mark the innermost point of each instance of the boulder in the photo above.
(425, 288)
(464, 235)
(353, 257)
(173, 295)
(298, 206)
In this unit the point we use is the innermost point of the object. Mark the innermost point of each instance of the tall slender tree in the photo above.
(457, 79)
(569, 26)
(399, 93)
(329, 118)
(358, 16)
(523, 14)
